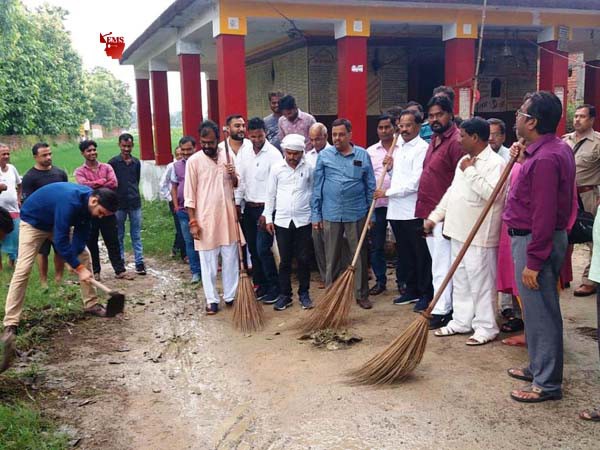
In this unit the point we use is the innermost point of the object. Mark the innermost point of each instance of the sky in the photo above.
(127, 18)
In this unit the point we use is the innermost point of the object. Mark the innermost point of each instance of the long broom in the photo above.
(333, 309)
(248, 314)
(404, 354)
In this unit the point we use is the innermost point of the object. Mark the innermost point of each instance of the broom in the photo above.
(404, 354)
(248, 314)
(333, 309)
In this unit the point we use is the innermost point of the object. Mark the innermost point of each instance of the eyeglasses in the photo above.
(519, 112)
(495, 135)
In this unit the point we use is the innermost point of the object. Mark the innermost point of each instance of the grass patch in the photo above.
(24, 428)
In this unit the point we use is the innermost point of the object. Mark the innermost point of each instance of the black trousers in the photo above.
(108, 227)
(264, 271)
(294, 242)
(414, 260)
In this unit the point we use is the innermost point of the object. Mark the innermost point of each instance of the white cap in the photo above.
(293, 142)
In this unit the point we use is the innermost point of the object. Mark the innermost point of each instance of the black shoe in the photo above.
(377, 289)
(305, 301)
(229, 304)
(270, 298)
(422, 304)
(7, 347)
(212, 309)
(140, 269)
(439, 320)
(282, 302)
(406, 299)
(260, 292)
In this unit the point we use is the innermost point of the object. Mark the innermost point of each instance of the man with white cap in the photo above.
(288, 195)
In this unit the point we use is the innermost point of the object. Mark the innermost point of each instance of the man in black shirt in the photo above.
(127, 170)
(41, 174)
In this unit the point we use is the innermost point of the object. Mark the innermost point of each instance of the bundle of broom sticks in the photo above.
(248, 314)
(404, 354)
(333, 310)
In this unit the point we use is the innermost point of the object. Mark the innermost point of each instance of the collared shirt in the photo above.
(165, 183)
(466, 197)
(408, 166)
(288, 194)
(541, 198)
(587, 157)
(504, 152)
(208, 189)
(254, 169)
(438, 170)
(377, 152)
(272, 124)
(56, 208)
(102, 177)
(128, 177)
(343, 185)
(299, 126)
(246, 143)
(310, 156)
(426, 132)
(178, 180)
(8, 197)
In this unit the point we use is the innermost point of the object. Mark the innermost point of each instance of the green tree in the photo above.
(41, 79)
(109, 99)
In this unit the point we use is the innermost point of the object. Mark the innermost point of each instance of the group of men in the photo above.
(286, 183)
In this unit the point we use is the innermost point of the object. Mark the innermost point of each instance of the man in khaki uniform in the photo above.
(585, 143)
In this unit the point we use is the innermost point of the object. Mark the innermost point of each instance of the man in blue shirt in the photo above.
(49, 213)
(344, 183)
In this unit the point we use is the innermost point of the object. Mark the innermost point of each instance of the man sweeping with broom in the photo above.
(208, 194)
(343, 189)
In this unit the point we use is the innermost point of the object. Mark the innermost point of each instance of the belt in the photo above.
(582, 189)
(517, 232)
(254, 205)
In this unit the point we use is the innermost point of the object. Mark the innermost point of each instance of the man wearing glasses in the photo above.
(536, 214)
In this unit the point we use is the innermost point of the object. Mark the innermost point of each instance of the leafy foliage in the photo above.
(109, 99)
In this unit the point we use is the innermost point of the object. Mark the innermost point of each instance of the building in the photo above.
(356, 58)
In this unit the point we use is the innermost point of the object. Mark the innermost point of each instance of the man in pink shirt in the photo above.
(95, 175)
(386, 126)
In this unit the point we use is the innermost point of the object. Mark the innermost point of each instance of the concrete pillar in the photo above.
(352, 75)
(160, 107)
(213, 100)
(459, 64)
(191, 87)
(144, 114)
(231, 57)
(591, 92)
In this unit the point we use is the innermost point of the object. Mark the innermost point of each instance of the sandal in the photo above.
(445, 331)
(515, 341)
(476, 340)
(541, 395)
(512, 325)
(524, 374)
(593, 415)
(97, 310)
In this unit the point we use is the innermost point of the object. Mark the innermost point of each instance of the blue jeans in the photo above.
(135, 231)
(191, 253)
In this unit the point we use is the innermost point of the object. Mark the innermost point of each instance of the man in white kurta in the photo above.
(474, 281)
(209, 183)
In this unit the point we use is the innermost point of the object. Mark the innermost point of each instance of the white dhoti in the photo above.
(474, 295)
(441, 259)
(209, 261)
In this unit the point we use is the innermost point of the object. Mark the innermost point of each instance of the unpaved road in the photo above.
(166, 376)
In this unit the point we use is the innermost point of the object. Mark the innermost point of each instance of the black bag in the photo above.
(584, 224)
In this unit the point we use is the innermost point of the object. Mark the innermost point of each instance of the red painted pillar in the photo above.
(231, 57)
(191, 94)
(213, 100)
(352, 84)
(459, 70)
(554, 76)
(162, 121)
(144, 118)
(591, 93)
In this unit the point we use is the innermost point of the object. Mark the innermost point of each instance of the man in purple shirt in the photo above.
(187, 145)
(294, 121)
(438, 172)
(537, 211)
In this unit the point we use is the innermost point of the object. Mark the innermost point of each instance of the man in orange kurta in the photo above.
(208, 193)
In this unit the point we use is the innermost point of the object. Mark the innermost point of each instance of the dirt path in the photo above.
(166, 376)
